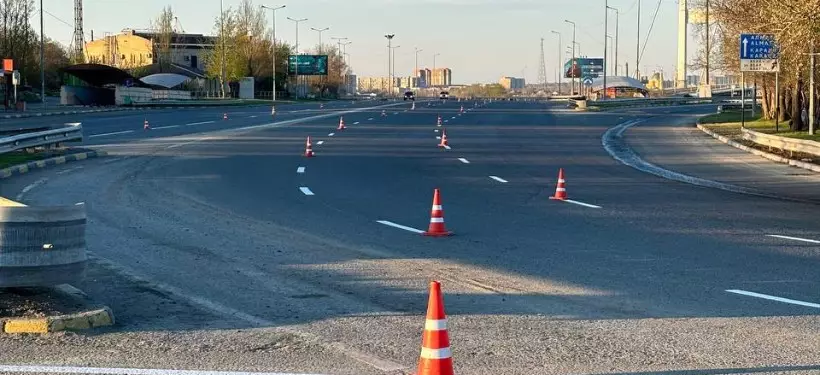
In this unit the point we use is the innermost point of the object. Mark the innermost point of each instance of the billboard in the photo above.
(584, 67)
(309, 65)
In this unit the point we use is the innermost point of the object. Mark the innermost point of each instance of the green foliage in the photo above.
(492, 91)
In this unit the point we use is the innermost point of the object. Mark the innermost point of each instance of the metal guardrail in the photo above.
(783, 143)
(69, 133)
(42, 246)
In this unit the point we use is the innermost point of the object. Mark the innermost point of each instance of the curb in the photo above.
(764, 154)
(20, 169)
(73, 322)
(64, 113)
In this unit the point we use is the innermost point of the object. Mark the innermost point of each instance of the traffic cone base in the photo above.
(341, 124)
(225, 116)
(308, 148)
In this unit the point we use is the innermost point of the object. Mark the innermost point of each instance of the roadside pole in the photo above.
(777, 102)
(742, 100)
(811, 91)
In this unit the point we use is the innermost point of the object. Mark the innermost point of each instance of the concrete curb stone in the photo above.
(20, 169)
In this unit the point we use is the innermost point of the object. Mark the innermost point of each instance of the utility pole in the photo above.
(222, 36)
(558, 61)
(393, 81)
(42, 59)
(322, 79)
(707, 43)
(296, 65)
(417, 61)
(638, 45)
(811, 90)
(273, 45)
(606, 18)
(389, 60)
(617, 26)
(572, 63)
(542, 69)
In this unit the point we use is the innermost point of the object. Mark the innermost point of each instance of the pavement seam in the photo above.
(20, 169)
(764, 154)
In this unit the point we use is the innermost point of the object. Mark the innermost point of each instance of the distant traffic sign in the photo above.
(759, 53)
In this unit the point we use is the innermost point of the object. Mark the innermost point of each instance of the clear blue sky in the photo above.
(480, 40)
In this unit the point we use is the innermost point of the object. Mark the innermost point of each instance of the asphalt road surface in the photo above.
(220, 247)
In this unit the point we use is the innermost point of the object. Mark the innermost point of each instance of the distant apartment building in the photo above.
(132, 49)
(350, 84)
(424, 76)
(441, 77)
(373, 84)
(512, 83)
(409, 82)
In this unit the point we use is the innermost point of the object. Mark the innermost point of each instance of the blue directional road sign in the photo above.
(759, 53)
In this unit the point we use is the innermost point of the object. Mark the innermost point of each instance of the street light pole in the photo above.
(617, 26)
(393, 49)
(572, 63)
(42, 59)
(638, 44)
(273, 45)
(296, 65)
(416, 72)
(222, 36)
(558, 61)
(389, 60)
(606, 18)
(320, 31)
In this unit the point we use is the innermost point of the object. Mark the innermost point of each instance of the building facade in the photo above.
(132, 49)
(373, 84)
(512, 83)
(424, 76)
(441, 77)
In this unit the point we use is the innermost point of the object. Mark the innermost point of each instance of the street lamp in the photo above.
(296, 65)
(617, 22)
(389, 52)
(558, 60)
(273, 44)
(320, 31)
(572, 63)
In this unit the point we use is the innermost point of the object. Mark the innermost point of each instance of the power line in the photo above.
(648, 33)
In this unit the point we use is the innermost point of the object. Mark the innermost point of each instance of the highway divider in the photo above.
(41, 246)
(72, 132)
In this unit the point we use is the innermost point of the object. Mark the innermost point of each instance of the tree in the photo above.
(246, 42)
(163, 28)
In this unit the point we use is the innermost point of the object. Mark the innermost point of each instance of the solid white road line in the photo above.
(331, 134)
(31, 186)
(447, 147)
(166, 127)
(581, 203)
(463, 160)
(499, 179)
(306, 191)
(121, 371)
(394, 225)
(300, 170)
(200, 123)
(792, 238)
(774, 298)
(107, 134)
(320, 142)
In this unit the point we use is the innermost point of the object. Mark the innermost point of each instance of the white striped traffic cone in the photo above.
(436, 357)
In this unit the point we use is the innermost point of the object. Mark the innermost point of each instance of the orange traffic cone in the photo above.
(225, 115)
(145, 125)
(321, 105)
(308, 148)
(438, 120)
(341, 124)
(384, 114)
(443, 138)
(561, 188)
(461, 110)
(413, 107)
(273, 110)
(436, 357)
(436, 228)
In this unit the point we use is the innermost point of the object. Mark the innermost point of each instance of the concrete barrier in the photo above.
(783, 143)
(42, 246)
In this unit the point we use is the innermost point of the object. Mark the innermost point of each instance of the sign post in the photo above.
(758, 53)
